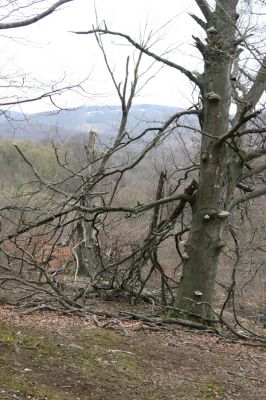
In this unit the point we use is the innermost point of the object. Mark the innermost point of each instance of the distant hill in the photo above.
(66, 124)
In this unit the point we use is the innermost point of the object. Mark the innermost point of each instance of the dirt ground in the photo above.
(48, 356)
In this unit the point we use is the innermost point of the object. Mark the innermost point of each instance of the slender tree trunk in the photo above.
(205, 238)
(88, 262)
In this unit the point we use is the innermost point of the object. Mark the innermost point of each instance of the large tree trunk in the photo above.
(205, 238)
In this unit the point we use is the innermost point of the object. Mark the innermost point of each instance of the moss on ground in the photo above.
(98, 363)
(41, 365)
(6, 334)
(208, 390)
(2, 361)
(21, 387)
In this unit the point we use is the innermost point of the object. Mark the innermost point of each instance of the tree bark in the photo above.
(204, 243)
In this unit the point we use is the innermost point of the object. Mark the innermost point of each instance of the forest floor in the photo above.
(53, 356)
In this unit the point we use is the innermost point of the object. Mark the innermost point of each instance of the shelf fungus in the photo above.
(223, 214)
(212, 30)
(204, 156)
(206, 217)
(212, 96)
(197, 293)
(220, 244)
(183, 242)
(185, 256)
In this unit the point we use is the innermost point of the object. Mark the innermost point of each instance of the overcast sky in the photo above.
(48, 50)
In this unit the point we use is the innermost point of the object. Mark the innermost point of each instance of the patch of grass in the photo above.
(95, 359)
(208, 390)
(96, 363)
(100, 362)
(239, 383)
(6, 335)
(30, 341)
(104, 336)
(28, 387)
(2, 361)
(101, 358)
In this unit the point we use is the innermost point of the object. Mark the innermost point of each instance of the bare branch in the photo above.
(254, 154)
(199, 21)
(252, 130)
(244, 187)
(242, 121)
(40, 97)
(49, 185)
(258, 87)
(29, 21)
(253, 172)
(249, 196)
(204, 8)
(100, 210)
(149, 53)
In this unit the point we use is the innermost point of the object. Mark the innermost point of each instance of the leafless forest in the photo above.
(169, 213)
(132, 236)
